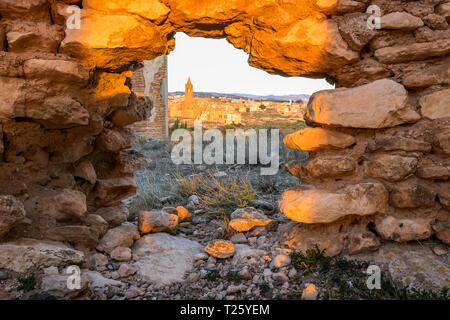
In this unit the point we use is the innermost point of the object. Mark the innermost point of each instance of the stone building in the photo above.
(189, 108)
(188, 105)
(151, 80)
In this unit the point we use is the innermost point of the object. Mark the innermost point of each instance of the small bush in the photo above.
(212, 276)
(27, 284)
(234, 276)
(313, 258)
(264, 288)
(220, 195)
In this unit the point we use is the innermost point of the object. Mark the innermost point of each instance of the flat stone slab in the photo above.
(380, 104)
(164, 259)
(27, 255)
(412, 264)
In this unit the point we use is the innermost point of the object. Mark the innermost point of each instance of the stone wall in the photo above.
(154, 72)
(379, 165)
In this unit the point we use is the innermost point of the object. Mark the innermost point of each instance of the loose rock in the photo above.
(220, 249)
(244, 219)
(310, 293)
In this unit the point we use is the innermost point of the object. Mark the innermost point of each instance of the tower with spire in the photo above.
(189, 104)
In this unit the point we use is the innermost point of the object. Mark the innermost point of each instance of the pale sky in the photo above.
(214, 65)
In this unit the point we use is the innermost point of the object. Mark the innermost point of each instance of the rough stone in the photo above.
(56, 285)
(238, 238)
(280, 276)
(339, 6)
(64, 204)
(390, 143)
(115, 140)
(416, 51)
(245, 219)
(110, 191)
(79, 234)
(245, 274)
(86, 171)
(152, 10)
(97, 260)
(444, 236)
(435, 21)
(385, 105)
(313, 139)
(443, 10)
(439, 172)
(183, 213)
(400, 21)
(164, 259)
(404, 229)
(310, 293)
(440, 250)
(436, 105)
(12, 212)
(2, 147)
(3, 275)
(419, 269)
(13, 9)
(354, 30)
(411, 264)
(362, 241)
(33, 37)
(156, 221)
(122, 236)
(233, 289)
(12, 99)
(126, 270)
(245, 255)
(58, 112)
(326, 167)
(321, 206)
(221, 249)
(121, 254)
(443, 193)
(303, 237)
(115, 216)
(100, 283)
(413, 196)
(391, 167)
(59, 70)
(64, 105)
(26, 255)
(280, 261)
(442, 141)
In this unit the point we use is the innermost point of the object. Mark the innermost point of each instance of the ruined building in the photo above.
(150, 80)
(379, 168)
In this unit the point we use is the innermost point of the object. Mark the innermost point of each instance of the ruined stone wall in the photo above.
(156, 127)
(379, 150)
(64, 156)
(379, 165)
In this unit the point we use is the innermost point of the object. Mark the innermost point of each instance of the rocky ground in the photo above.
(183, 247)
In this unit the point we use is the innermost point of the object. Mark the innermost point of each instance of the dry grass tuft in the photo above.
(220, 195)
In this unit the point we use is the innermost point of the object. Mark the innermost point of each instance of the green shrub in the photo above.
(27, 284)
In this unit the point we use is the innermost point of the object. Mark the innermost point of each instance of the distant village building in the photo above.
(189, 108)
(189, 93)
(233, 118)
